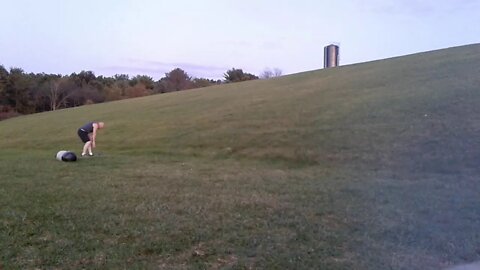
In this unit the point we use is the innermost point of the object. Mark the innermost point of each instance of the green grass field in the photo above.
(367, 166)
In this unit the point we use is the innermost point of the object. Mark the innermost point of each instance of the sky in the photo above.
(208, 37)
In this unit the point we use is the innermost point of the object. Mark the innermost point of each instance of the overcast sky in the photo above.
(208, 37)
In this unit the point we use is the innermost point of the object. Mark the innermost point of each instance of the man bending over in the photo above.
(88, 134)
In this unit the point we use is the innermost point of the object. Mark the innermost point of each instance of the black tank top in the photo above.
(88, 127)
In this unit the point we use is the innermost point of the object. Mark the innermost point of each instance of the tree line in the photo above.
(27, 93)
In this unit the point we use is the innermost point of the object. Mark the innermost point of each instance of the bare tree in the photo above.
(270, 73)
(277, 72)
(266, 74)
(59, 92)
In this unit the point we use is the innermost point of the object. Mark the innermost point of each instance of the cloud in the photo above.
(416, 7)
(157, 69)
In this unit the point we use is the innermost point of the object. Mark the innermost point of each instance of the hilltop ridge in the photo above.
(382, 112)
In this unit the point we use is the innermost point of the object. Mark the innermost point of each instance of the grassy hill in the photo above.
(367, 166)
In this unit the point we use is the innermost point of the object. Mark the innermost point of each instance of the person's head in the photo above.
(101, 124)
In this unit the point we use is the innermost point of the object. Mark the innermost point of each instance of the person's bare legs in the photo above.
(87, 147)
(90, 149)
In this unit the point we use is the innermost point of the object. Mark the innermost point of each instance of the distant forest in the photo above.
(26, 93)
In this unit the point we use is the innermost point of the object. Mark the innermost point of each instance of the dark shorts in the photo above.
(83, 135)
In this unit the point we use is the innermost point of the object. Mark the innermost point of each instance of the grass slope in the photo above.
(368, 166)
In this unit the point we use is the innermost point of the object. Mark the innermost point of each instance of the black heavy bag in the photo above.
(66, 156)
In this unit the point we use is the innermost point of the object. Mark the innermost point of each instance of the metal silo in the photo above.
(331, 56)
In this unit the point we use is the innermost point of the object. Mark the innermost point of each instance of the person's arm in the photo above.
(94, 134)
